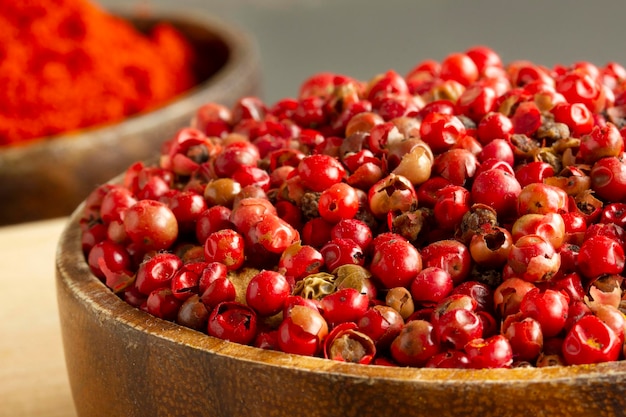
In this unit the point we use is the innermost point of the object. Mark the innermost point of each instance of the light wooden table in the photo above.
(33, 379)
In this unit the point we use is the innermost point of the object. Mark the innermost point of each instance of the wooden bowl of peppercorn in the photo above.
(48, 176)
(146, 331)
(123, 361)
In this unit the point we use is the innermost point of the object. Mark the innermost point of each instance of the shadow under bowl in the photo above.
(49, 177)
(125, 362)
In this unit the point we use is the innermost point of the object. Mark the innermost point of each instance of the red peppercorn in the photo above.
(459, 67)
(339, 201)
(225, 246)
(395, 263)
(218, 290)
(157, 272)
(467, 215)
(441, 131)
(266, 292)
(590, 341)
(234, 322)
(416, 344)
(302, 331)
(493, 352)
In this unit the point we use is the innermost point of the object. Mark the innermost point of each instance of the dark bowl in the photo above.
(124, 362)
(49, 177)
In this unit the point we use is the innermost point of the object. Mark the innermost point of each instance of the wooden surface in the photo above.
(33, 378)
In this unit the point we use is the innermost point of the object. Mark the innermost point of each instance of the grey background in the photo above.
(362, 38)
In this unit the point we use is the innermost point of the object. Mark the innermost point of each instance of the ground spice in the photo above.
(68, 64)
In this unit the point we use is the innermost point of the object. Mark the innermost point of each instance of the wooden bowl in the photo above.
(124, 362)
(49, 177)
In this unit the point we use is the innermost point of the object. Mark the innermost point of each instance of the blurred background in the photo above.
(362, 38)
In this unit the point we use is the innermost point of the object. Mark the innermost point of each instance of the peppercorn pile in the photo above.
(67, 64)
(470, 214)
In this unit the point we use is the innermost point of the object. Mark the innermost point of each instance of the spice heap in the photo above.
(469, 214)
(67, 64)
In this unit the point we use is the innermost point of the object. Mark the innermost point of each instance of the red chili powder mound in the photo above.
(67, 64)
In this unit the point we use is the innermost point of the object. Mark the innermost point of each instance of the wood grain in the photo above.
(33, 377)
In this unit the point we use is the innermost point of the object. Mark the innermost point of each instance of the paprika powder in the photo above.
(68, 64)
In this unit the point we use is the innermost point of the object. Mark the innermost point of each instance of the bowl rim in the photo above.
(73, 273)
(243, 58)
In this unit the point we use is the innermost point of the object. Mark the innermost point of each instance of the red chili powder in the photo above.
(68, 64)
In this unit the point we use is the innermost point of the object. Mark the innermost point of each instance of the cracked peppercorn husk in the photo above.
(368, 218)
(315, 286)
(552, 131)
(413, 225)
(488, 276)
(548, 155)
(523, 145)
(479, 217)
(353, 276)
(309, 205)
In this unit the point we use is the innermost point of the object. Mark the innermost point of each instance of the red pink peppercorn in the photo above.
(470, 214)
